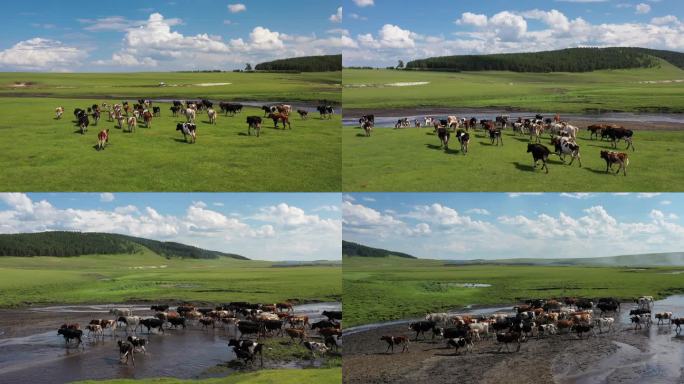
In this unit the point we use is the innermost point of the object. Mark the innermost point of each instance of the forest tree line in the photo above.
(326, 63)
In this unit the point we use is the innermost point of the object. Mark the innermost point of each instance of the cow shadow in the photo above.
(177, 140)
(430, 133)
(523, 167)
(440, 148)
(522, 139)
(599, 171)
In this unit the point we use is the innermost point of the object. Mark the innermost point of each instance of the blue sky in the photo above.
(266, 226)
(382, 32)
(170, 35)
(499, 225)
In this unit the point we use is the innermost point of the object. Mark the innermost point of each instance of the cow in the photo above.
(147, 118)
(443, 135)
(287, 306)
(96, 329)
(604, 322)
(539, 152)
(120, 312)
(132, 123)
(326, 111)
(364, 118)
(645, 302)
(334, 342)
(638, 320)
(159, 307)
(396, 340)
(253, 122)
(620, 158)
(583, 328)
(420, 327)
(126, 350)
(295, 333)
(506, 338)
(284, 109)
(677, 322)
(176, 321)
(463, 138)
(303, 114)
(495, 136)
(297, 321)
(102, 139)
(59, 111)
(211, 113)
(131, 322)
(607, 307)
(246, 350)
(83, 121)
(151, 323)
(461, 342)
(278, 117)
(546, 329)
(315, 347)
(442, 317)
(332, 315)
(367, 127)
(616, 134)
(272, 325)
(596, 130)
(402, 123)
(190, 115)
(174, 110)
(71, 334)
(268, 109)
(188, 129)
(138, 343)
(325, 324)
(247, 327)
(662, 316)
(566, 146)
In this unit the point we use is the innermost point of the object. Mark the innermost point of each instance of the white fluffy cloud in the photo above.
(42, 54)
(337, 16)
(364, 3)
(107, 197)
(288, 232)
(469, 18)
(235, 8)
(642, 8)
(389, 36)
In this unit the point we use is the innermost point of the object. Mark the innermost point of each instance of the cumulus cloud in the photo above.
(389, 36)
(337, 16)
(270, 228)
(469, 18)
(42, 54)
(106, 197)
(665, 20)
(642, 8)
(236, 8)
(364, 3)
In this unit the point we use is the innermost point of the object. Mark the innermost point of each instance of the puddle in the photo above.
(661, 362)
(185, 354)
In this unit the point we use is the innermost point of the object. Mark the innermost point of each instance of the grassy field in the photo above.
(243, 86)
(411, 160)
(38, 153)
(609, 90)
(137, 277)
(275, 376)
(380, 289)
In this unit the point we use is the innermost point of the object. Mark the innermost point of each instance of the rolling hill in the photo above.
(564, 60)
(326, 63)
(673, 259)
(354, 249)
(66, 244)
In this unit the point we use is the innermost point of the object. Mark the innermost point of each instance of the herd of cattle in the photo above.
(563, 136)
(128, 116)
(536, 318)
(245, 323)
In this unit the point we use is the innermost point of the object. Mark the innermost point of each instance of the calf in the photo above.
(315, 347)
(619, 158)
(138, 343)
(539, 152)
(461, 342)
(188, 129)
(396, 340)
(253, 122)
(102, 139)
(463, 138)
(303, 114)
(126, 350)
(367, 127)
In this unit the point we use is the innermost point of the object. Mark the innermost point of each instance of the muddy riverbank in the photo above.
(31, 350)
(621, 356)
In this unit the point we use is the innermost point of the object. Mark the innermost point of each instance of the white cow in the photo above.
(211, 113)
(605, 322)
(59, 111)
(190, 115)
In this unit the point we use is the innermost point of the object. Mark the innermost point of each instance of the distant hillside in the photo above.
(327, 63)
(674, 259)
(63, 244)
(564, 60)
(354, 249)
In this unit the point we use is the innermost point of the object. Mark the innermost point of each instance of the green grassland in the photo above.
(274, 376)
(380, 289)
(141, 277)
(38, 153)
(290, 87)
(411, 160)
(605, 90)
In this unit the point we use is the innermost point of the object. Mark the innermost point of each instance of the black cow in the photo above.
(160, 307)
(138, 343)
(325, 111)
(176, 321)
(253, 122)
(507, 338)
(71, 334)
(333, 315)
(463, 138)
(461, 342)
(616, 134)
(420, 327)
(151, 323)
(324, 324)
(247, 327)
(269, 109)
(272, 325)
(539, 152)
(246, 350)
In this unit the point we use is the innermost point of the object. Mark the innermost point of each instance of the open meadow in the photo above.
(657, 89)
(391, 288)
(41, 153)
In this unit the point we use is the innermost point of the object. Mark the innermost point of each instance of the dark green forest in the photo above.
(355, 249)
(327, 63)
(564, 60)
(65, 244)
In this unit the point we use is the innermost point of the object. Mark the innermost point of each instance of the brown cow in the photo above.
(277, 117)
(612, 157)
(595, 130)
(396, 340)
(295, 333)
